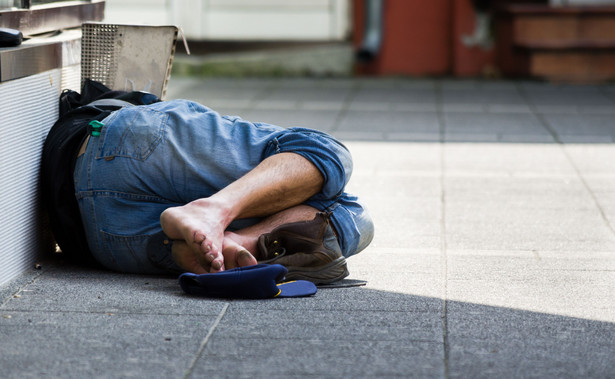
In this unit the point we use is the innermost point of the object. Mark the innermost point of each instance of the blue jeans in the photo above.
(149, 158)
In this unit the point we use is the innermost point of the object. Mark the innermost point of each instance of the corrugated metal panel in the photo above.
(29, 107)
(71, 59)
(71, 78)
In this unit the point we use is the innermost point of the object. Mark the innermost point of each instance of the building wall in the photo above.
(29, 109)
(246, 20)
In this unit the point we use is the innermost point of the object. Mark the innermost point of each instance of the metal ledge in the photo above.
(55, 16)
(27, 61)
(40, 54)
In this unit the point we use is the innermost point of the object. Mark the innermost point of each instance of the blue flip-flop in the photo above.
(252, 282)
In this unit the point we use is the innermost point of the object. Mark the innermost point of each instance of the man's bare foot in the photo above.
(234, 254)
(185, 258)
(245, 238)
(201, 225)
(248, 237)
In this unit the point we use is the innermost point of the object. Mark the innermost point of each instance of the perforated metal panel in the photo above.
(128, 57)
(98, 52)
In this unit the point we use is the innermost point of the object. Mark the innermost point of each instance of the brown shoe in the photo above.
(308, 249)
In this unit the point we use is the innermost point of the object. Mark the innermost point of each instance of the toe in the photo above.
(199, 238)
(244, 258)
(216, 266)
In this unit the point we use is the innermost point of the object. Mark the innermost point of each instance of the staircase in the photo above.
(569, 44)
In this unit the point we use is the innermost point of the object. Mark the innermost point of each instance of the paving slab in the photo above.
(77, 344)
(322, 358)
(494, 252)
(487, 342)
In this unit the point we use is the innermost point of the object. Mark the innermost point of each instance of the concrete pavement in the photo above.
(494, 255)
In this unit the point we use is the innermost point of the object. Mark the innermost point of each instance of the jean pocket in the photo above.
(133, 133)
(126, 253)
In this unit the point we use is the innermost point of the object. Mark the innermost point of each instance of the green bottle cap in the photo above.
(96, 126)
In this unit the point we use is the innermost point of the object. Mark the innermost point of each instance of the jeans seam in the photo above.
(120, 195)
(274, 142)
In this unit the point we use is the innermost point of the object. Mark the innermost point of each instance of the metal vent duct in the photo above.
(128, 57)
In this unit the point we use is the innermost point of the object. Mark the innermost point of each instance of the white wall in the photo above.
(263, 20)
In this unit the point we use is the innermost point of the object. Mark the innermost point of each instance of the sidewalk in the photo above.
(494, 255)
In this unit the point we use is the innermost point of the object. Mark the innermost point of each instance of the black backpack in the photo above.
(59, 156)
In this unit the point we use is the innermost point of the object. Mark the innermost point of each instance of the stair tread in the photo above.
(567, 45)
(539, 9)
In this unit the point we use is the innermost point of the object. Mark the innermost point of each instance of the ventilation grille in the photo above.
(128, 57)
(99, 53)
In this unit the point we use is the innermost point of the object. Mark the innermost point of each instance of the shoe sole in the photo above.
(332, 272)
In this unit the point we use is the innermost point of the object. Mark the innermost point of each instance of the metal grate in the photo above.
(99, 52)
(128, 57)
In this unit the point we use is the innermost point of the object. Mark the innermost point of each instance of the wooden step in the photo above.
(543, 27)
(572, 44)
(573, 66)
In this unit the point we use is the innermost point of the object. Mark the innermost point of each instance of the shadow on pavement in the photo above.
(75, 322)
